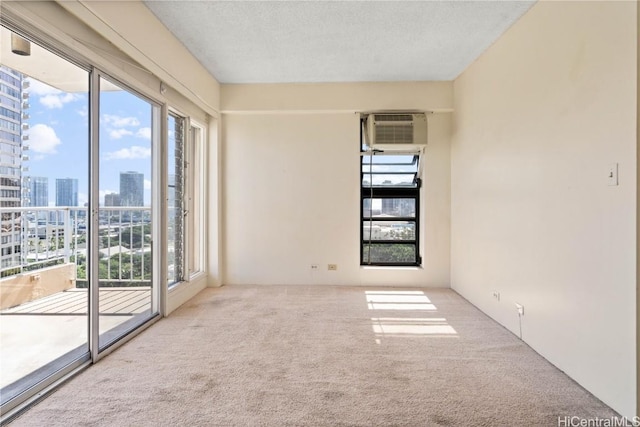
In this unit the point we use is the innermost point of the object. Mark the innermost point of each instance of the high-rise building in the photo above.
(112, 199)
(66, 192)
(131, 189)
(390, 206)
(13, 103)
(38, 190)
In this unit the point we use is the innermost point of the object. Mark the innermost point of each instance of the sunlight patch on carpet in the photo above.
(406, 305)
(398, 300)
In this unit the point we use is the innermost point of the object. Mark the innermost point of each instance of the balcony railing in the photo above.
(34, 238)
(44, 296)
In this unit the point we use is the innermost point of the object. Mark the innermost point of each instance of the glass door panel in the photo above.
(127, 296)
(44, 145)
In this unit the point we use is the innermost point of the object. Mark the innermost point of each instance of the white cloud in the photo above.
(36, 87)
(116, 126)
(57, 101)
(82, 199)
(144, 133)
(147, 184)
(133, 152)
(50, 97)
(119, 133)
(43, 139)
(120, 122)
(83, 112)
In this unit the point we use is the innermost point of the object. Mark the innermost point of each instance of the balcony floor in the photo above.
(38, 332)
(114, 301)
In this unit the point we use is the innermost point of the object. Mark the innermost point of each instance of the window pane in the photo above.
(44, 145)
(388, 207)
(391, 160)
(388, 230)
(195, 177)
(126, 295)
(389, 180)
(381, 253)
(389, 169)
(389, 164)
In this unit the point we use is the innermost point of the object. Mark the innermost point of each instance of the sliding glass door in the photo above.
(44, 188)
(127, 294)
(79, 168)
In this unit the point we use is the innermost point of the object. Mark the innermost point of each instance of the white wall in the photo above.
(538, 119)
(291, 184)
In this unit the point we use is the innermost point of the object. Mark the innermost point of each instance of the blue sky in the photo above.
(58, 138)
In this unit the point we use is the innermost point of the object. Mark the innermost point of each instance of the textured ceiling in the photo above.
(336, 41)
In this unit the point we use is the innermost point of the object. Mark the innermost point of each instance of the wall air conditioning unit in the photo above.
(396, 131)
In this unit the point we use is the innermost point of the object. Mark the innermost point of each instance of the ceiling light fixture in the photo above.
(20, 46)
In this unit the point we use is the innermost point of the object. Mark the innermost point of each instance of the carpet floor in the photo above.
(320, 356)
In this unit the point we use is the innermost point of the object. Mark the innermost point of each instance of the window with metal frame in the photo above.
(175, 199)
(185, 192)
(389, 208)
(195, 176)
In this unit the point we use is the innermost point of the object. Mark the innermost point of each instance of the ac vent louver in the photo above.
(396, 131)
(393, 117)
(391, 134)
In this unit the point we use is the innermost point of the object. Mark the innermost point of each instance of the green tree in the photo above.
(389, 253)
(132, 237)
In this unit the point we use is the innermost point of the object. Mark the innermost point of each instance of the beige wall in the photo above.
(291, 184)
(336, 97)
(538, 119)
(128, 25)
(25, 287)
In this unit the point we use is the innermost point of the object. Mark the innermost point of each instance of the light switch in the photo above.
(612, 174)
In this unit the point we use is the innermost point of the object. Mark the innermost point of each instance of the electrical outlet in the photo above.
(520, 309)
(332, 267)
(314, 267)
(496, 295)
(612, 174)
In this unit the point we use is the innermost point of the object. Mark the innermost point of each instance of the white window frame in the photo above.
(196, 183)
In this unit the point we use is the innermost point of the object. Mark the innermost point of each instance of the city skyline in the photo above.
(59, 142)
(38, 191)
